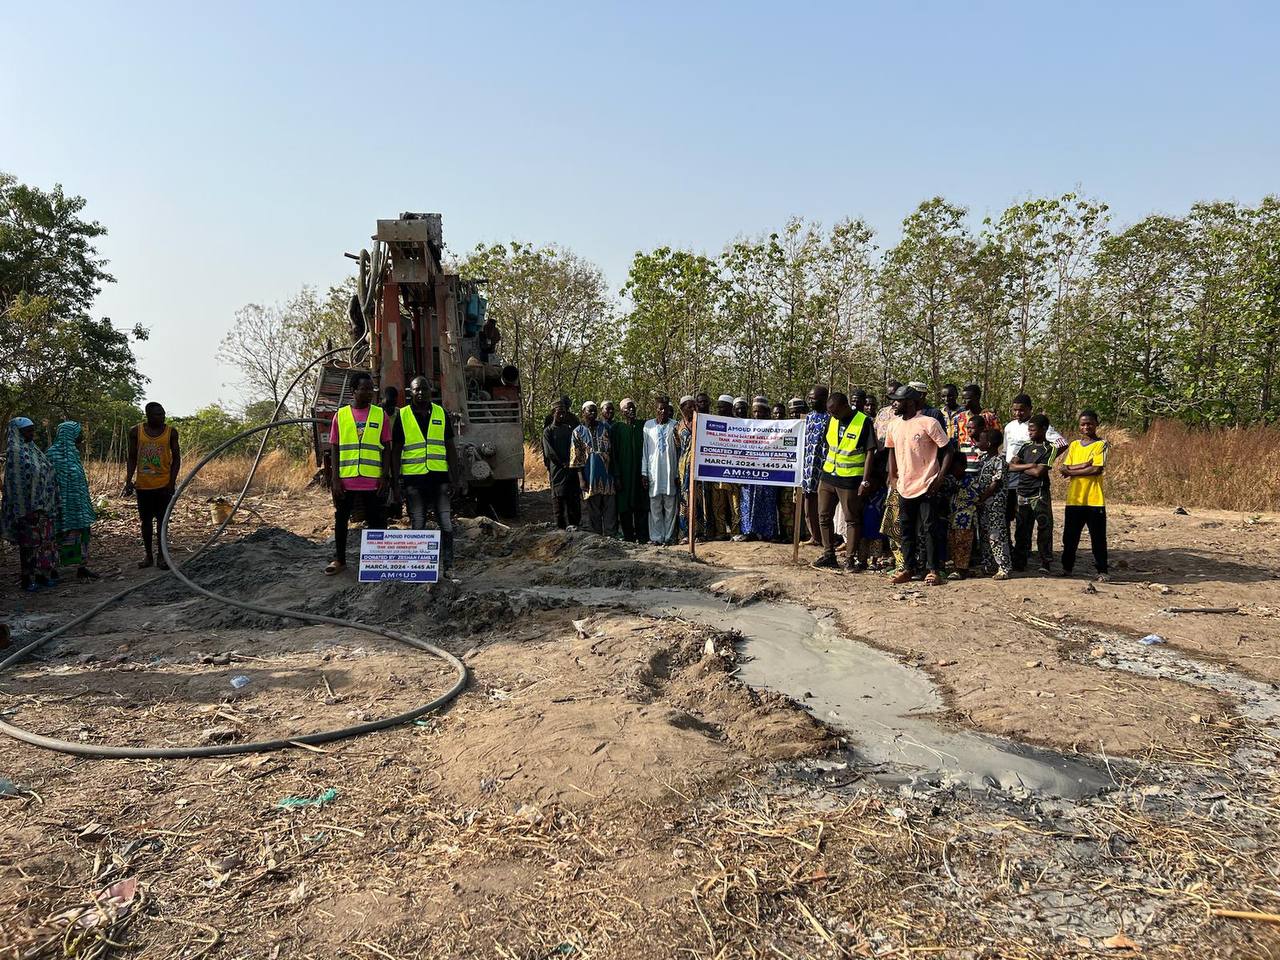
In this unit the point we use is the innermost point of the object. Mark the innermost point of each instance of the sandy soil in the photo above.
(607, 787)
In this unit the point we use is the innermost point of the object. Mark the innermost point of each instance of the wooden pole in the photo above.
(692, 507)
(799, 495)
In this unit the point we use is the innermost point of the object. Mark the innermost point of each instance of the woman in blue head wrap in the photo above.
(30, 506)
(76, 514)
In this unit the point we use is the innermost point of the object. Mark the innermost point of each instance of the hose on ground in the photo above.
(93, 611)
(228, 749)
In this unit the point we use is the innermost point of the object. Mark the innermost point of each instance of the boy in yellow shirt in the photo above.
(1082, 466)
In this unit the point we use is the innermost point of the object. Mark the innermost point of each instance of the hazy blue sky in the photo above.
(235, 150)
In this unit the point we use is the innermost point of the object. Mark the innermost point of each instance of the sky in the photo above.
(235, 150)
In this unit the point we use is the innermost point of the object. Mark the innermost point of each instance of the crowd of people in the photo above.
(47, 512)
(904, 486)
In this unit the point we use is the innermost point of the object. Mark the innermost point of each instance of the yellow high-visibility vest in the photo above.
(420, 453)
(360, 451)
(844, 459)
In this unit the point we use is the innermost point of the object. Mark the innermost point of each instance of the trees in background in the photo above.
(557, 321)
(672, 334)
(270, 345)
(57, 362)
(1171, 317)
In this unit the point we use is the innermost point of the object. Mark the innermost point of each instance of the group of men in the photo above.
(941, 486)
(389, 454)
(926, 491)
(931, 492)
(632, 475)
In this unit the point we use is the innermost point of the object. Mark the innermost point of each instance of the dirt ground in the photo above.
(607, 786)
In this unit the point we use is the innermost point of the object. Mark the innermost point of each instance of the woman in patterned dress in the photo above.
(993, 527)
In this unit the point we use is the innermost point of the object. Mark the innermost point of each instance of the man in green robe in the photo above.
(633, 499)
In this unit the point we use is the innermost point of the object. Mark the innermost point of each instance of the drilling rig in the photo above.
(410, 317)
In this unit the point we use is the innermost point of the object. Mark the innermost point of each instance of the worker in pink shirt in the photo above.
(916, 471)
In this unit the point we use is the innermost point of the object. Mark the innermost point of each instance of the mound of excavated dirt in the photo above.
(617, 710)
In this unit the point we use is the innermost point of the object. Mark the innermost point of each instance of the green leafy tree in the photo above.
(556, 319)
(1143, 280)
(56, 361)
(671, 339)
(1260, 302)
(208, 427)
(924, 280)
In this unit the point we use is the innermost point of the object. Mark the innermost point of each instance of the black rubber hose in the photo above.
(218, 750)
(209, 541)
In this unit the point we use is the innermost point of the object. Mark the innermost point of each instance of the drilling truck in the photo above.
(410, 317)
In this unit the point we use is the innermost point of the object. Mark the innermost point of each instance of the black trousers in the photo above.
(569, 504)
(1033, 512)
(1074, 520)
(635, 522)
(375, 517)
(922, 527)
(151, 507)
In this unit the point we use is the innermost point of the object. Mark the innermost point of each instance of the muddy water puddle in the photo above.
(881, 705)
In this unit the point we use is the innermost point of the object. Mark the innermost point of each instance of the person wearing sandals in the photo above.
(874, 548)
(360, 465)
(917, 472)
(76, 515)
(30, 506)
(993, 528)
(964, 501)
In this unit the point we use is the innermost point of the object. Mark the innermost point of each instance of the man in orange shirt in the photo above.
(916, 471)
(155, 456)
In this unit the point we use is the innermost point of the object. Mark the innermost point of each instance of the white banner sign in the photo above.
(768, 452)
(409, 555)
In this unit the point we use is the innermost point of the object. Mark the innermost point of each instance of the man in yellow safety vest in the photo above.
(843, 453)
(423, 463)
(360, 447)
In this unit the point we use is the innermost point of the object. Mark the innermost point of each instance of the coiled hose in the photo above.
(262, 746)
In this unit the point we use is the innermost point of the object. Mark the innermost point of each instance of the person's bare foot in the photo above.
(902, 576)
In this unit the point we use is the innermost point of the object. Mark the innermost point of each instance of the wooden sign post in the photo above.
(693, 488)
(795, 545)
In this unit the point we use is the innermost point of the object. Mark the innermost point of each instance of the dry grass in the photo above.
(535, 471)
(1236, 468)
(278, 473)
